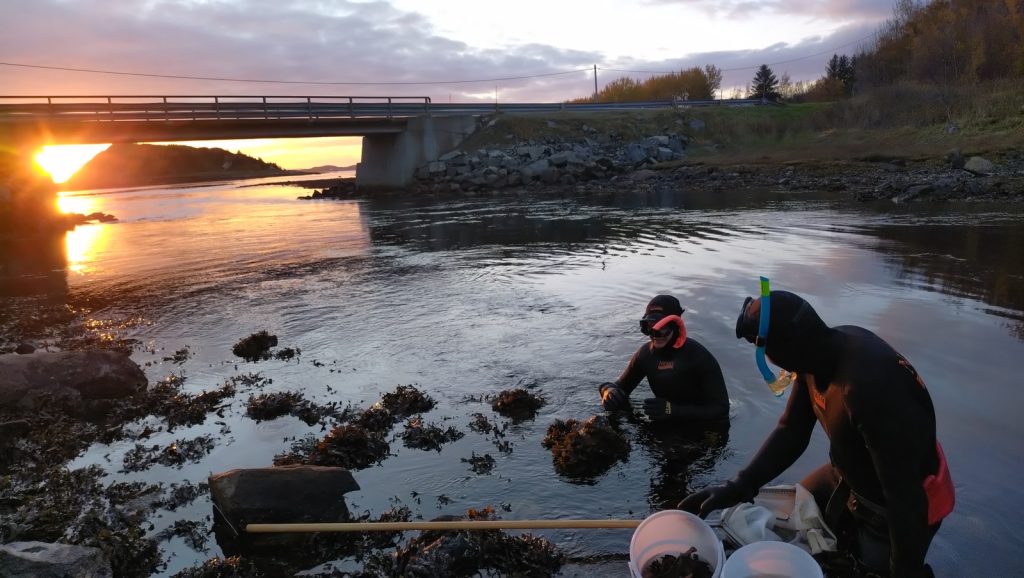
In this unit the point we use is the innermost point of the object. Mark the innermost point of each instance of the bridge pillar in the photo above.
(390, 160)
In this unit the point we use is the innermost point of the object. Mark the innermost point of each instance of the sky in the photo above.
(450, 50)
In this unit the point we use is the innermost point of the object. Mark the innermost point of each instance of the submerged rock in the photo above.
(44, 560)
(286, 494)
(71, 375)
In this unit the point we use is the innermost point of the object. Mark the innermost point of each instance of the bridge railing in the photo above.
(77, 109)
(185, 107)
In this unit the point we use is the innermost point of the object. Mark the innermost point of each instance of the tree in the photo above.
(785, 86)
(841, 69)
(765, 85)
(714, 76)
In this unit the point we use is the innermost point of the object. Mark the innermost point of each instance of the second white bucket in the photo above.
(674, 532)
(771, 559)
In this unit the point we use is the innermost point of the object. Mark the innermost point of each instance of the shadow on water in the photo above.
(34, 266)
(682, 453)
(975, 262)
(587, 224)
(33, 288)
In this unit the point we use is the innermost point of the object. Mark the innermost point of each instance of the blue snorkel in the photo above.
(777, 384)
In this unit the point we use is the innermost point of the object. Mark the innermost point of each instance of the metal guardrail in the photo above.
(186, 107)
(202, 108)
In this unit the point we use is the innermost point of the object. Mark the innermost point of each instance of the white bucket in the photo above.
(771, 560)
(674, 532)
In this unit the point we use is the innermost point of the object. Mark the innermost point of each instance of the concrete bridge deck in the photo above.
(399, 133)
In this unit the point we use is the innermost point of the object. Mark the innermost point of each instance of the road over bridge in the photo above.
(399, 133)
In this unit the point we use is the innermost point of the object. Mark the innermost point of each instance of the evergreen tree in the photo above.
(832, 70)
(765, 85)
(841, 69)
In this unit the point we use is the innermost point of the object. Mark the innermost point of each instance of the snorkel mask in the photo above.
(777, 384)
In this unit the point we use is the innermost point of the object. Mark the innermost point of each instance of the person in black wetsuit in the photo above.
(685, 378)
(887, 487)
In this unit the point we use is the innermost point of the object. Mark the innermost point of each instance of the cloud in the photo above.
(849, 10)
(257, 39)
(336, 41)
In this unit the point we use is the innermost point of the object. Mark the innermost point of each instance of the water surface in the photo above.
(468, 296)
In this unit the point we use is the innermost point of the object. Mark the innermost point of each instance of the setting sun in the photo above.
(61, 161)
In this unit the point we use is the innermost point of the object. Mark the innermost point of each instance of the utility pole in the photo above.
(595, 84)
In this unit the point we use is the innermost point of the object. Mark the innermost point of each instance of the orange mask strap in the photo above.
(679, 322)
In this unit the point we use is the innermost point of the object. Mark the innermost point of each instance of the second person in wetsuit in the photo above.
(684, 377)
(886, 486)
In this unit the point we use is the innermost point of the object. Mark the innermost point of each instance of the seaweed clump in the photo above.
(268, 406)
(685, 565)
(474, 552)
(418, 435)
(233, 567)
(176, 454)
(255, 347)
(362, 442)
(585, 449)
(480, 464)
(345, 446)
(517, 404)
(406, 401)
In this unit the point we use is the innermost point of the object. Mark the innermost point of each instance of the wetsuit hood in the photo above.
(797, 337)
(662, 306)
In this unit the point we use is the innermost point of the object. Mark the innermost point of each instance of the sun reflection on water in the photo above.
(82, 244)
(76, 204)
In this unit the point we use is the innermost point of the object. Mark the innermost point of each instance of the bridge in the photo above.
(399, 133)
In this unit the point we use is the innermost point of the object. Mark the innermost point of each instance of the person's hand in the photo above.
(613, 398)
(657, 408)
(710, 499)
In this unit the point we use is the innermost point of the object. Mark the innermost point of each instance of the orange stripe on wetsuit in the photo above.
(939, 489)
(679, 323)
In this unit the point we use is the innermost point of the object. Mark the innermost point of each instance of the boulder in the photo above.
(979, 166)
(77, 375)
(43, 560)
(635, 153)
(534, 170)
(280, 495)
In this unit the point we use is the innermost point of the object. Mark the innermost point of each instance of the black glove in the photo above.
(657, 408)
(613, 398)
(710, 499)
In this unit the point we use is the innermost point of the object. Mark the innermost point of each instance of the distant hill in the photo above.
(328, 169)
(132, 165)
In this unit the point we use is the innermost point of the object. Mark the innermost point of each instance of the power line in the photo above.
(267, 81)
(823, 52)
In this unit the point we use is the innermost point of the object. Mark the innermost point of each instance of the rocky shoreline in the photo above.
(658, 162)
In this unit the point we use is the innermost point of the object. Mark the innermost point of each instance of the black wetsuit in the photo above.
(688, 376)
(877, 415)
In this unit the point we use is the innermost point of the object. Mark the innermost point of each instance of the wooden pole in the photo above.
(451, 525)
